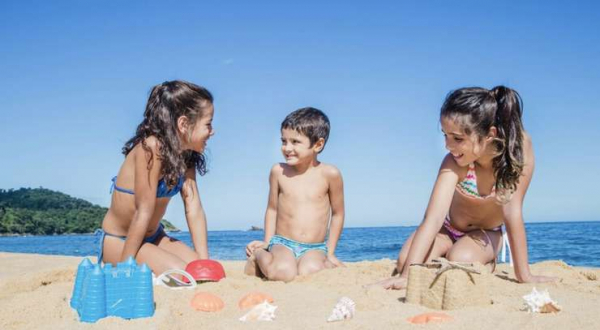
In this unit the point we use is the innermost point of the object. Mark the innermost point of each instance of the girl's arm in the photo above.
(513, 218)
(145, 185)
(336, 198)
(194, 214)
(437, 209)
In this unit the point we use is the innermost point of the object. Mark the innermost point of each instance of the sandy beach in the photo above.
(35, 291)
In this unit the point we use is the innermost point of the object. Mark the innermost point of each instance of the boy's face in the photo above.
(296, 148)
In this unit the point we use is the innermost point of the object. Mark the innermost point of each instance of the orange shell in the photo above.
(429, 317)
(207, 302)
(254, 298)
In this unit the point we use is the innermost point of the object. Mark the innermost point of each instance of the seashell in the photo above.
(344, 309)
(433, 317)
(261, 312)
(254, 298)
(207, 302)
(540, 302)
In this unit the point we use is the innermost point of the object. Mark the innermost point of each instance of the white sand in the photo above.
(35, 291)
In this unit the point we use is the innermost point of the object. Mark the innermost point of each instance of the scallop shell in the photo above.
(344, 309)
(540, 302)
(254, 298)
(207, 302)
(261, 312)
(429, 317)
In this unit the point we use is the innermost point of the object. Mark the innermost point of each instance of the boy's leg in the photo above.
(279, 264)
(477, 246)
(311, 262)
(251, 268)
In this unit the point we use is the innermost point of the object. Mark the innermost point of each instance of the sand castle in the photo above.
(125, 291)
(448, 285)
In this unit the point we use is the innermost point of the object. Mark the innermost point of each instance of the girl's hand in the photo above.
(335, 261)
(392, 283)
(538, 279)
(255, 245)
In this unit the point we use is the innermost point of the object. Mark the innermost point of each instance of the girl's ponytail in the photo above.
(508, 164)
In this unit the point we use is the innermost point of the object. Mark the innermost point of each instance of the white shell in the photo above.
(540, 302)
(261, 312)
(344, 309)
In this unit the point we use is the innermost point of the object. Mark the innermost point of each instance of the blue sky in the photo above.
(75, 76)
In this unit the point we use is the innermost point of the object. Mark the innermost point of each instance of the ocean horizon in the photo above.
(576, 243)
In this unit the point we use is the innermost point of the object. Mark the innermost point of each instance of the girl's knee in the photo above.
(460, 255)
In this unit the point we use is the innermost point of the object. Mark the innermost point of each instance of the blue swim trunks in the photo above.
(298, 248)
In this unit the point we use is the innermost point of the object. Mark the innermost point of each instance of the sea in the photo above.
(576, 243)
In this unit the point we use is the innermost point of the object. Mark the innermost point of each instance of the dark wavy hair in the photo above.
(311, 122)
(477, 110)
(167, 102)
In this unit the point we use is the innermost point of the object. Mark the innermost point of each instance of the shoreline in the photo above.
(41, 285)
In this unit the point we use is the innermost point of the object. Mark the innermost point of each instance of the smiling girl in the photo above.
(480, 186)
(161, 160)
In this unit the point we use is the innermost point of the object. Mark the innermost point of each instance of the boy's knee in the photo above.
(309, 268)
(282, 272)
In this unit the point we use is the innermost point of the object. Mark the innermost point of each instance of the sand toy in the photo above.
(254, 298)
(433, 317)
(125, 291)
(205, 270)
(261, 312)
(448, 285)
(207, 302)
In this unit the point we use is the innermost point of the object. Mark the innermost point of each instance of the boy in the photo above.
(303, 195)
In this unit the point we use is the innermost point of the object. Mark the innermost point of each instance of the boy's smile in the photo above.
(296, 147)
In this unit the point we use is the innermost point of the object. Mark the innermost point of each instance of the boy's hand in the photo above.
(255, 245)
(335, 261)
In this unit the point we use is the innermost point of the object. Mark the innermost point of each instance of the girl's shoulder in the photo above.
(450, 165)
(150, 143)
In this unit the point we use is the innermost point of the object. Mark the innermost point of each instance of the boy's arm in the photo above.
(336, 198)
(145, 183)
(513, 218)
(437, 209)
(194, 214)
(271, 213)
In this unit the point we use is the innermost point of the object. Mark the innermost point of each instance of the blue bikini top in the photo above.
(161, 191)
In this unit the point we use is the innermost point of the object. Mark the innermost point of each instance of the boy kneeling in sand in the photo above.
(304, 195)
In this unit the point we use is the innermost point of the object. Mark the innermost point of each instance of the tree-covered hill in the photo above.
(45, 212)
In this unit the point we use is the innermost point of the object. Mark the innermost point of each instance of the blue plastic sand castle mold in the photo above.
(125, 291)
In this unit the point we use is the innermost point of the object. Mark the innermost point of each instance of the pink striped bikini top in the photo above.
(468, 186)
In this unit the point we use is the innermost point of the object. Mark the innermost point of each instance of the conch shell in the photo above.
(540, 302)
(207, 302)
(254, 298)
(344, 309)
(260, 312)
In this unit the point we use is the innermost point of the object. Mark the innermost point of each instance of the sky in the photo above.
(75, 77)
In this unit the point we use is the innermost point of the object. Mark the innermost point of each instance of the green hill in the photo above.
(45, 212)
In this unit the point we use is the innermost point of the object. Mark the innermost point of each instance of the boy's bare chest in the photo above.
(303, 188)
